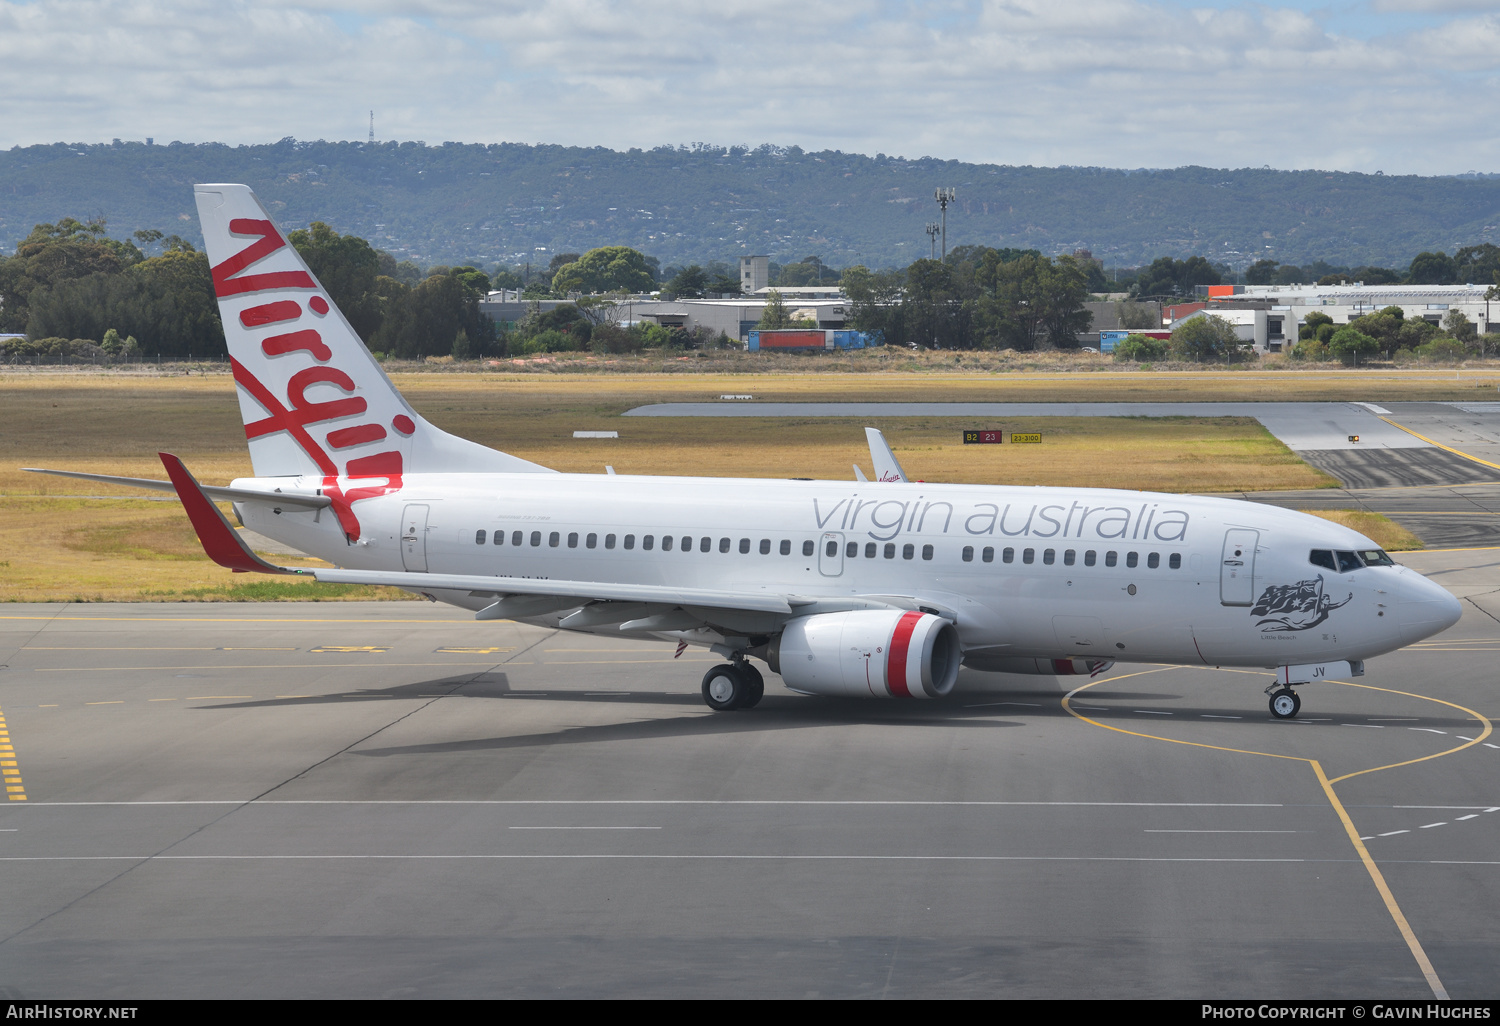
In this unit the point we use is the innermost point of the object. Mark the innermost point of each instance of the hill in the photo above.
(509, 203)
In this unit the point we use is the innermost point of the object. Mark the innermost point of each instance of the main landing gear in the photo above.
(736, 685)
(1284, 702)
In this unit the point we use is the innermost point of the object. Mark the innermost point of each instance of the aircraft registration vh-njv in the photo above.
(862, 588)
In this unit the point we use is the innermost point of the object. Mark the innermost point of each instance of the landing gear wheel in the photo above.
(755, 686)
(1285, 704)
(724, 687)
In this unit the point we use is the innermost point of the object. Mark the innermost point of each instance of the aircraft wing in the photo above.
(644, 607)
(218, 494)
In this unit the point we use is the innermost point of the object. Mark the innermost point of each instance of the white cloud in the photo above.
(1111, 82)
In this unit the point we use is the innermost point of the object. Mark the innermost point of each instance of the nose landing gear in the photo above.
(1284, 702)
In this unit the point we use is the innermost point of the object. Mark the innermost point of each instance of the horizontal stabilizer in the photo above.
(290, 500)
(222, 542)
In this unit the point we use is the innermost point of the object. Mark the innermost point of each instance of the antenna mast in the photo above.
(372, 126)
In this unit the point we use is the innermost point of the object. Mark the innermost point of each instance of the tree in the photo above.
(775, 314)
(1134, 348)
(1431, 269)
(1349, 343)
(347, 266)
(53, 254)
(933, 309)
(1206, 336)
(1030, 301)
(1261, 272)
(1168, 277)
(688, 283)
(606, 269)
(1313, 323)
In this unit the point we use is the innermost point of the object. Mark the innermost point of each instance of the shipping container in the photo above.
(805, 339)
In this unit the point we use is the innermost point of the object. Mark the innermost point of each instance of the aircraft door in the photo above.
(414, 538)
(831, 554)
(1237, 567)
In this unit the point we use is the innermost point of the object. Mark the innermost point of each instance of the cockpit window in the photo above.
(1323, 558)
(1376, 557)
(1348, 562)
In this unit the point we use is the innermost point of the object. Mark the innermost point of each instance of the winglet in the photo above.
(219, 540)
(886, 468)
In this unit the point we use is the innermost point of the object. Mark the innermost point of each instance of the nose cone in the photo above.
(1425, 608)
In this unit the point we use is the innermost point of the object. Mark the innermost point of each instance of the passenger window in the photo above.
(833, 548)
(1348, 562)
(926, 551)
(479, 537)
(609, 541)
(851, 550)
(1028, 556)
(723, 544)
(870, 548)
(1090, 557)
(786, 547)
(536, 537)
(1068, 557)
(1322, 558)
(687, 544)
(968, 554)
(1131, 559)
(706, 545)
(630, 541)
(515, 538)
(554, 539)
(808, 548)
(908, 550)
(1048, 556)
(765, 546)
(572, 539)
(890, 550)
(499, 537)
(666, 543)
(1175, 561)
(744, 546)
(591, 541)
(1111, 558)
(648, 542)
(1153, 560)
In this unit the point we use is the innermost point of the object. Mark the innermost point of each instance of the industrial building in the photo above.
(1270, 315)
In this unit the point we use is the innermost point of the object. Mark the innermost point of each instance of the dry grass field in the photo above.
(62, 547)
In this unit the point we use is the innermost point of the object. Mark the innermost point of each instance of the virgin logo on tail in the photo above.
(294, 413)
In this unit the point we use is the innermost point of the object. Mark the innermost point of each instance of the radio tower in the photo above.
(372, 126)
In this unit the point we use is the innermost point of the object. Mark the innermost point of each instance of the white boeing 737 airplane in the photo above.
(868, 589)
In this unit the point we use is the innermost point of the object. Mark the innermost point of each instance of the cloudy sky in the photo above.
(1403, 86)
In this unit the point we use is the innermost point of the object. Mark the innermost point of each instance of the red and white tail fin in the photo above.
(314, 401)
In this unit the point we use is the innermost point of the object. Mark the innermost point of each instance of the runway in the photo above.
(391, 799)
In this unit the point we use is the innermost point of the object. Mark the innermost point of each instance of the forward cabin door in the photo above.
(1237, 567)
(414, 538)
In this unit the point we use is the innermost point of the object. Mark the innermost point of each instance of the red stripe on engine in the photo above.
(895, 663)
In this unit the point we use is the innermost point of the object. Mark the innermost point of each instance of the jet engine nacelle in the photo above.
(868, 653)
(1057, 667)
